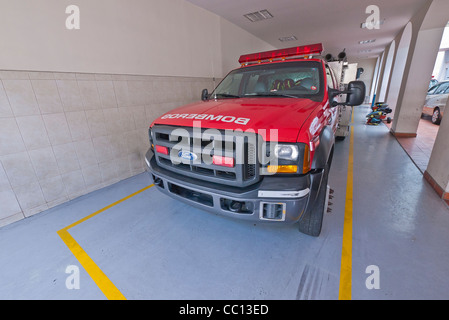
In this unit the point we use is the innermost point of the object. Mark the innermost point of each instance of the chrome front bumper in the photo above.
(273, 199)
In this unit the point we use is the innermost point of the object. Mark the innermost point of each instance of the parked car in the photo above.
(436, 101)
(432, 83)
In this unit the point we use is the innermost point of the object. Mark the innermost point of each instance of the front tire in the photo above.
(312, 222)
(436, 116)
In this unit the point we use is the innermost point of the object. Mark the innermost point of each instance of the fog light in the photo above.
(272, 211)
(235, 206)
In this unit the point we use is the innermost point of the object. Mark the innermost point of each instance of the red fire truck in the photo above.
(260, 146)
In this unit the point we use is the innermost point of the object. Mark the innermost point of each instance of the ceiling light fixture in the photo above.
(367, 41)
(290, 38)
(258, 15)
(365, 51)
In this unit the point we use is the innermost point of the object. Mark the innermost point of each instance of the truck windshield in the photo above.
(296, 79)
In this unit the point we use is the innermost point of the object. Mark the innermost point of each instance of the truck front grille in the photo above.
(231, 144)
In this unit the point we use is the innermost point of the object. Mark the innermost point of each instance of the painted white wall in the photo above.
(235, 42)
(445, 40)
(439, 70)
(369, 67)
(64, 133)
(150, 37)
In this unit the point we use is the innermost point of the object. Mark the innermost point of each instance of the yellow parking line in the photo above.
(108, 207)
(106, 286)
(345, 291)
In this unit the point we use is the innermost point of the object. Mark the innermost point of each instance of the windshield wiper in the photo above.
(271, 94)
(225, 95)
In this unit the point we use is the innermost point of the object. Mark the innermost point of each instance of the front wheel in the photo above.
(312, 222)
(436, 116)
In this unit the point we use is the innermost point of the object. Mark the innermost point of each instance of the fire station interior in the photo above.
(81, 218)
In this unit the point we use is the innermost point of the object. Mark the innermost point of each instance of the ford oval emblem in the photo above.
(187, 155)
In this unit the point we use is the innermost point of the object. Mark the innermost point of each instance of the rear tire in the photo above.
(312, 221)
(436, 117)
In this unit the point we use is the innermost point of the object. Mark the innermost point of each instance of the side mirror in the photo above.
(204, 95)
(356, 93)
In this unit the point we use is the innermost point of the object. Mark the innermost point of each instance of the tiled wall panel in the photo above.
(63, 135)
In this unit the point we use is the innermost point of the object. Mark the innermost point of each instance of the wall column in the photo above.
(411, 101)
(437, 173)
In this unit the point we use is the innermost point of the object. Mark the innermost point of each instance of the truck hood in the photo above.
(287, 115)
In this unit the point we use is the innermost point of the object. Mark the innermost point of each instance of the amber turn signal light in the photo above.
(306, 165)
(282, 169)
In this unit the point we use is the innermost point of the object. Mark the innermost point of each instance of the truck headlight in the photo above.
(286, 152)
(287, 159)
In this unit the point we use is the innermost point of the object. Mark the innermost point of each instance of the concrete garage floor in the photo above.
(419, 148)
(152, 247)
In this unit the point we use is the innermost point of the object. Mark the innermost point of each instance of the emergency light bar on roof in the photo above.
(309, 50)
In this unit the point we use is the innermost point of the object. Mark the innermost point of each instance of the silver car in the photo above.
(436, 101)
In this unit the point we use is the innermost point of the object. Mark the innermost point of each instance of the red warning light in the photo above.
(223, 161)
(308, 50)
(163, 150)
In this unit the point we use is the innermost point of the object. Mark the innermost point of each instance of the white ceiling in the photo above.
(335, 23)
